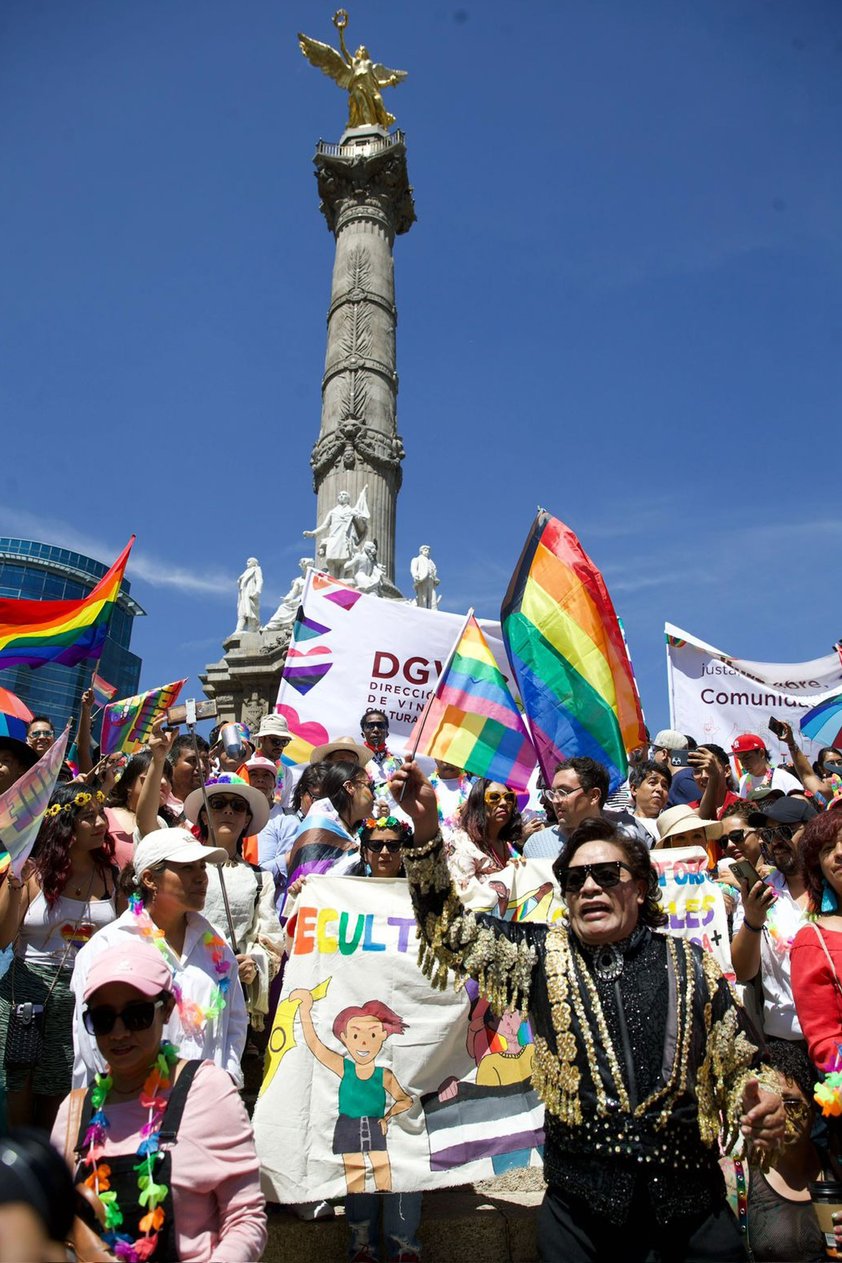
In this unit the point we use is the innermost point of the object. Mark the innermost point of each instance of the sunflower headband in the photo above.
(78, 800)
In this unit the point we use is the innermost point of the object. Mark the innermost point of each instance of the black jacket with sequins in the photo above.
(637, 1072)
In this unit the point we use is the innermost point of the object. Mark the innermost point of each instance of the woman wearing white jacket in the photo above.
(166, 885)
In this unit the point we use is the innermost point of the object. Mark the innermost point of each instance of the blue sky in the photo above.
(621, 300)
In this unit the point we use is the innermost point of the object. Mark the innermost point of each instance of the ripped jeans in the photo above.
(401, 1217)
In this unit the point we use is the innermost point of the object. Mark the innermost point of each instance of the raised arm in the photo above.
(149, 800)
(83, 730)
(320, 1051)
(802, 765)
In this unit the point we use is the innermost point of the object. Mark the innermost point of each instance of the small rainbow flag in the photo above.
(35, 632)
(568, 654)
(472, 719)
(127, 725)
(103, 691)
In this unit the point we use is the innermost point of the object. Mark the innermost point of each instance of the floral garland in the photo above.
(78, 800)
(781, 943)
(152, 1194)
(828, 1093)
(193, 1016)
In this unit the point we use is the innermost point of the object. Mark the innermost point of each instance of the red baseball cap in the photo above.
(747, 741)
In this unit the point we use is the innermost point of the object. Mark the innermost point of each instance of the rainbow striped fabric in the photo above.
(568, 655)
(127, 725)
(35, 632)
(472, 721)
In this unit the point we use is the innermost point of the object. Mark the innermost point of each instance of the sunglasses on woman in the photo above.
(381, 845)
(494, 796)
(606, 874)
(218, 802)
(735, 837)
(137, 1016)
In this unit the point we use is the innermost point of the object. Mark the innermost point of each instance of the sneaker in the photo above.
(313, 1210)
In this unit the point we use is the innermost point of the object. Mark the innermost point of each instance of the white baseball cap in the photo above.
(177, 845)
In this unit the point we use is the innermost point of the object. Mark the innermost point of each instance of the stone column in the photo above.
(366, 200)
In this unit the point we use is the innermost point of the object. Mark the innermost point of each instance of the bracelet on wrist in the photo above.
(425, 848)
(755, 929)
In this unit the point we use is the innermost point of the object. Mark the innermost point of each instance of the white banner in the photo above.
(351, 651)
(714, 697)
(694, 902)
(353, 995)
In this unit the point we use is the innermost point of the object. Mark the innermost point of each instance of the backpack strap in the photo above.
(178, 1099)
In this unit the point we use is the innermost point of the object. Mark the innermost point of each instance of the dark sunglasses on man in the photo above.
(606, 874)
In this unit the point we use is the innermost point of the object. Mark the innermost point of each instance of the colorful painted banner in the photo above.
(23, 805)
(35, 632)
(127, 725)
(473, 721)
(568, 654)
(694, 902)
(350, 651)
(455, 1079)
(715, 697)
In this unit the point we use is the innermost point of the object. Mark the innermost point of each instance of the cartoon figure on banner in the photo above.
(363, 1120)
(535, 905)
(503, 1050)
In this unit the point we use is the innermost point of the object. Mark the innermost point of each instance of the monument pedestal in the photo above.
(245, 682)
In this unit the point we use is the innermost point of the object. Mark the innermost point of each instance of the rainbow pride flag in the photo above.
(568, 654)
(35, 632)
(127, 724)
(472, 720)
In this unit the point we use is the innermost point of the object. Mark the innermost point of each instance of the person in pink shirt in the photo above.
(197, 1200)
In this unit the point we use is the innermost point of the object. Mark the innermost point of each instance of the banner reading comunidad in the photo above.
(715, 697)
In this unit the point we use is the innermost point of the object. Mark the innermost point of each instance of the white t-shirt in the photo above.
(783, 922)
(781, 780)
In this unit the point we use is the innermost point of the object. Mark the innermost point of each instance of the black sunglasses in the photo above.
(606, 874)
(220, 801)
(137, 1016)
(736, 836)
(381, 844)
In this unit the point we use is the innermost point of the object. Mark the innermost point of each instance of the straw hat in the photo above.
(683, 819)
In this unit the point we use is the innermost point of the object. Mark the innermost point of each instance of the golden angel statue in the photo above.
(358, 74)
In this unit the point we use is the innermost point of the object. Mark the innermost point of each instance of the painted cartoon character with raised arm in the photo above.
(363, 1118)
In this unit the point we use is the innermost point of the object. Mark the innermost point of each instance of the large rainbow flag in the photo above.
(127, 724)
(35, 632)
(472, 720)
(568, 655)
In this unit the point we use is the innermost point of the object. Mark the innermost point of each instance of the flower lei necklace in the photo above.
(193, 1016)
(151, 1194)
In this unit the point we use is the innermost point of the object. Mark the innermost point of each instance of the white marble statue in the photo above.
(344, 528)
(364, 571)
(425, 578)
(284, 615)
(249, 588)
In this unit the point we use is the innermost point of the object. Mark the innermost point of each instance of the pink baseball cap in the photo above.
(131, 961)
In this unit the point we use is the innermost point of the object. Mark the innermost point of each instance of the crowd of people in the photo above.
(147, 955)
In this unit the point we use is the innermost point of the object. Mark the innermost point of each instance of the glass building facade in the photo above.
(45, 572)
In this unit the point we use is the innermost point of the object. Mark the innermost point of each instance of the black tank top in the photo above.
(123, 1178)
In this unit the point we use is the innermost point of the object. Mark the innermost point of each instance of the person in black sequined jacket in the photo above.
(642, 1053)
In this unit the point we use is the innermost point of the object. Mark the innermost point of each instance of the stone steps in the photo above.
(492, 1221)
